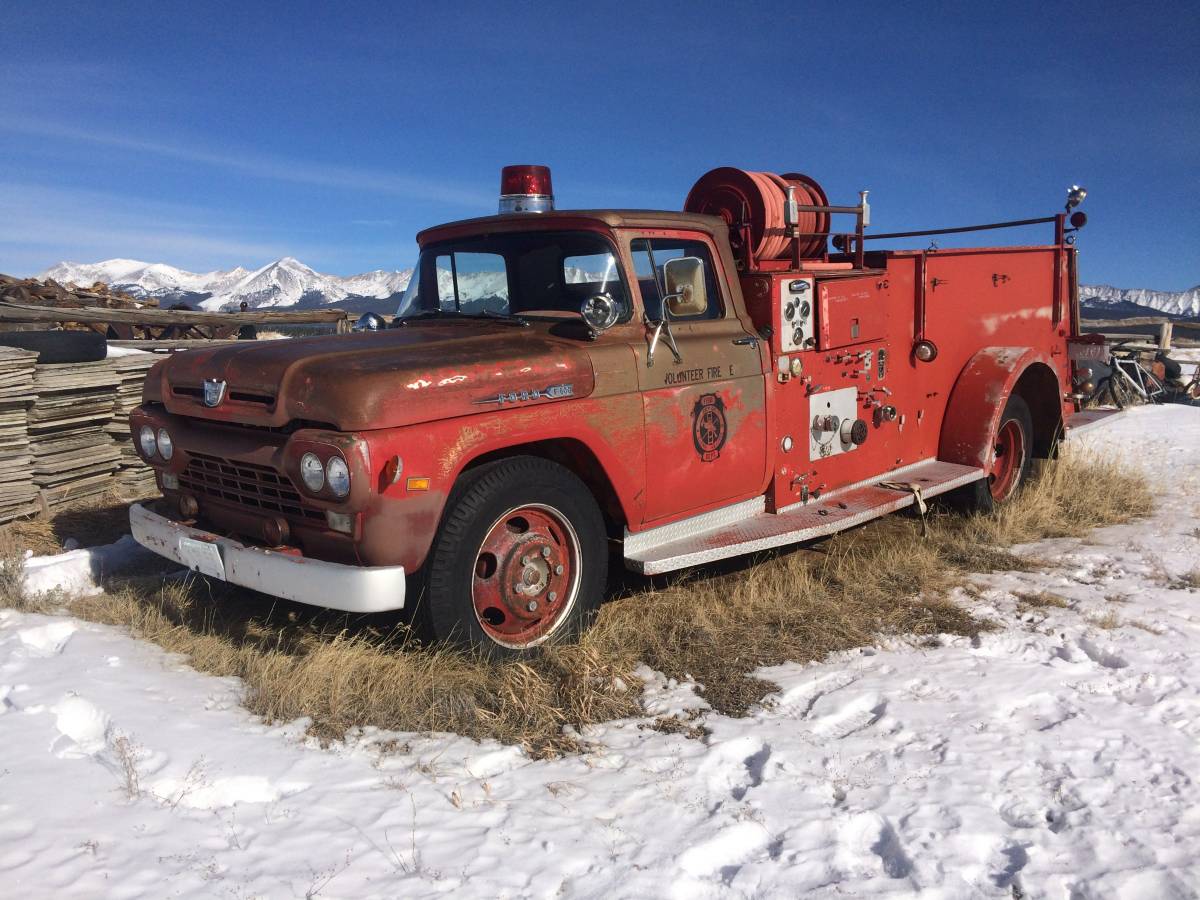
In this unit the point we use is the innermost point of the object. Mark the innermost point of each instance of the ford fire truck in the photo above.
(559, 386)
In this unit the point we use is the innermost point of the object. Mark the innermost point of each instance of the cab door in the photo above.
(705, 416)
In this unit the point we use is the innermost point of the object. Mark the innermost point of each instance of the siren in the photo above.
(526, 189)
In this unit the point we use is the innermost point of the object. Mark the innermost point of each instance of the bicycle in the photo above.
(1130, 382)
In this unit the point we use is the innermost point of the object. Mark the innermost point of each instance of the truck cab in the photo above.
(556, 386)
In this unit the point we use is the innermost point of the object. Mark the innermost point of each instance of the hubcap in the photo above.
(1008, 461)
(526, 576)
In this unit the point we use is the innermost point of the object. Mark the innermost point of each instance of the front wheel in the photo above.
(520, 559)
(1011, 462)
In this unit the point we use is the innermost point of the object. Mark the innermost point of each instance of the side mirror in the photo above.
(600, 312)
(686, 293)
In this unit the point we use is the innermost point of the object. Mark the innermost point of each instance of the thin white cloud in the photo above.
(267, 167)
(41, 225)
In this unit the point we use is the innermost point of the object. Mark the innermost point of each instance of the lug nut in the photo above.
(532, 606)
(552, 596)
(524, 560)
(546, 552)
(519, 588)
(558, 570)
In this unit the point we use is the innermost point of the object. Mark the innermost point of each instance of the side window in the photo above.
(472, 282)
(482, 282)
(649, 256)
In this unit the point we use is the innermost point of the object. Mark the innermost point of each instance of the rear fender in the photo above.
(977, 402)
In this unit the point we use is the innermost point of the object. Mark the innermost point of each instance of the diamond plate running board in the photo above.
(835, 511)
(1079, 422)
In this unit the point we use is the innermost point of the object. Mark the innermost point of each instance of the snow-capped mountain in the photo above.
(1122, 300)
(285, 282)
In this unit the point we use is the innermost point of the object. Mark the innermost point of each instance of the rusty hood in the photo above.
(358, 382)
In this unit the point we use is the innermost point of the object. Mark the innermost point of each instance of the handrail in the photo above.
(1015, 224)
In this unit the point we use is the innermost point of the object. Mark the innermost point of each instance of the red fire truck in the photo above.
(559, 386)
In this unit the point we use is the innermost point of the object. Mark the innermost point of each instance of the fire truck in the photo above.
(561, 386)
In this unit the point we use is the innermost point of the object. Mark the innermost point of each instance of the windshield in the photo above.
(514, 274)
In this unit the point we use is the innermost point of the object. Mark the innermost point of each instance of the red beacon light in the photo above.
(526, 189)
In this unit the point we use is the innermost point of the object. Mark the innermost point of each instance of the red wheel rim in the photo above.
(1008, 461)
(526, 576)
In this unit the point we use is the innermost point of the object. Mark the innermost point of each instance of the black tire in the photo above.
(977, 497)
(1116, 391)
(477, 508)
(59, 346)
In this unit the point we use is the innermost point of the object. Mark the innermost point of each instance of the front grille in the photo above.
(251, 486)
(197, 393)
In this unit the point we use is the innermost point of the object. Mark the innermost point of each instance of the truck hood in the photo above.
(358, 382)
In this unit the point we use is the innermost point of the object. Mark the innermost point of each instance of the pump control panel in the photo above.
(835, 426)
(795, 328)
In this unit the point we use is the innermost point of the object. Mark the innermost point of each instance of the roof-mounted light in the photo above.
(1075, 195)
(526, 189)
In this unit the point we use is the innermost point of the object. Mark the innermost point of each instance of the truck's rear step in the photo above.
(834, 511)
(1079, 422)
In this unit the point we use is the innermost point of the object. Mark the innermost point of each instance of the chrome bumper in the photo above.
(333, 585)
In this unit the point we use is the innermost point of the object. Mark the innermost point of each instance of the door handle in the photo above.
(746, 341)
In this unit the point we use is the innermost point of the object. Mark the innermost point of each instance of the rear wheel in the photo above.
(1117, 391)
(520, 559)
(1011, 460)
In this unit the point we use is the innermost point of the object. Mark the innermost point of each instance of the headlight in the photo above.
(338, 474)
(165, 448)
(312, 473)
(146, 439)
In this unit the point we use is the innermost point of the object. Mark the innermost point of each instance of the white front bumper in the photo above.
(358, 589)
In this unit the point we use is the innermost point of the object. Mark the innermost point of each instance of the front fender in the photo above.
(977, 402)
(400, 523)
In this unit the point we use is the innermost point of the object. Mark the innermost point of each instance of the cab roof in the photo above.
(566, 218)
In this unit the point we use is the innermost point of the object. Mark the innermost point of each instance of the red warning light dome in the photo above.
(526, 189)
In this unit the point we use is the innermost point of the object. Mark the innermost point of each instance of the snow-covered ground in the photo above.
(1052, 758)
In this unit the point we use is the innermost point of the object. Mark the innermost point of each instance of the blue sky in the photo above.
(209, 135)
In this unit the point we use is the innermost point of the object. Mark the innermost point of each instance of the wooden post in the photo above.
(1164, 335)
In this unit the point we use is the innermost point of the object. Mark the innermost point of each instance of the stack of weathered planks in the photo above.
(18, 494)
(51, 293)
(73, 456)
(134, 478)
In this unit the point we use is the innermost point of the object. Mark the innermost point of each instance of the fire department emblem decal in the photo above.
(709, 426)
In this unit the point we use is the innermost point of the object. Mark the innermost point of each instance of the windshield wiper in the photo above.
(487, 314)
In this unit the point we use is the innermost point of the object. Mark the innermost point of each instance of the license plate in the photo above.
(202, 557)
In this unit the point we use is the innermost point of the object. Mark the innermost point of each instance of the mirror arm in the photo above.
(671, 344)
(660, 327)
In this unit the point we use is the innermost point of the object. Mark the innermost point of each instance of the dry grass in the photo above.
(1189, 580)
(715, 626)
(1108, 621)
(91, 522)
(1040, 600)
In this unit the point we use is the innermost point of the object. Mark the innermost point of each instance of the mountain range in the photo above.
(1122, 302)
(288, 282)
(284, 282)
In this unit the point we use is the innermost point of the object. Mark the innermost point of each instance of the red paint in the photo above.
(1008, 458)
(526, 575)
(655, 443)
